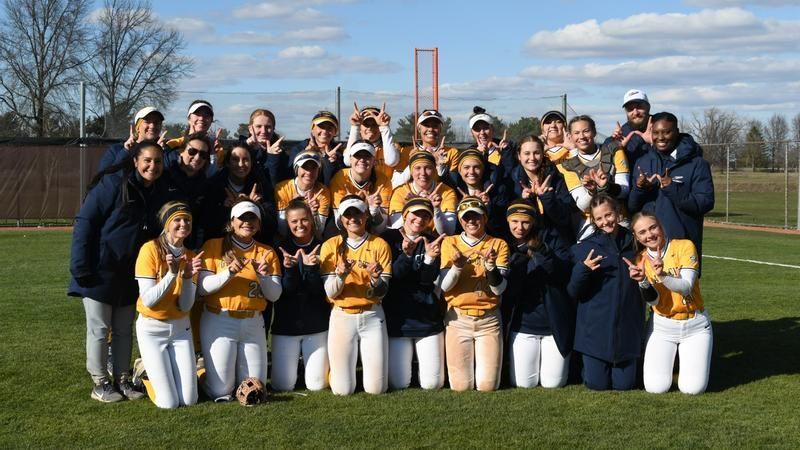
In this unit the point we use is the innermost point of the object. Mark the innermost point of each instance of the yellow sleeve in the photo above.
(452, 157)
(386, 188)
(405, 154)
(398, 199)
(147, 261)
(449, 198)
(687, 254)
(570, 178)
(502, 254)
(175, 143)
(448, 250)
(327, 256)
(211, 254)
(272, 261)
(338, 188)
(324, 200)
(383, 254)
(283, 194)
(620, 161)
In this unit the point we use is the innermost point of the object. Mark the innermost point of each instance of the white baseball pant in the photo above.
(286, 351)
(535, 359)
(430, 361)
(233, 349)
(474, 349)
(168, 355)
(693, 339)
(102, 318)
(346, 334)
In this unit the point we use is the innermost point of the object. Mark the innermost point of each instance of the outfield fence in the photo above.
(41, 182)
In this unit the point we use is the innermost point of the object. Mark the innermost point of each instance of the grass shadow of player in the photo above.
(749, 350)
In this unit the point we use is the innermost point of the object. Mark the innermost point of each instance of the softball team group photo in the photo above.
(378, 265)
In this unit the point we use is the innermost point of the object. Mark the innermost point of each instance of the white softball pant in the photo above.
(286, 351)
(347, 334)
(430, 360)
(693, 339)
(233, 349)
(168, 355)
(474, 349)
(535, 359)
(102, 318)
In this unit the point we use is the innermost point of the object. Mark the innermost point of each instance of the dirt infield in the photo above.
(731, 226)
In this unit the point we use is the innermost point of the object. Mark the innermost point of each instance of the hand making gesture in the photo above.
(433, 248)
(194, 266)
(635, 271)
(593, 262)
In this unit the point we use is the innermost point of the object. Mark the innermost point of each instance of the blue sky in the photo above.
(289, 56)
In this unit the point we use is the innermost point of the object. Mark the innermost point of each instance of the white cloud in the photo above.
(266, 10)
(308, 51)
(255, 67)
(244, 38)
(705, 32)
(321, 33)
(190, 26)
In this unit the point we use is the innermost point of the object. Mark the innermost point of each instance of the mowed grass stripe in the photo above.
(751, 399)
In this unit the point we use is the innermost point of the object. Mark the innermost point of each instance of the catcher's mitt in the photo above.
(251, 392)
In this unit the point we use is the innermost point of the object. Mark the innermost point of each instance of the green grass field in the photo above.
(752, 399)
(755, 198)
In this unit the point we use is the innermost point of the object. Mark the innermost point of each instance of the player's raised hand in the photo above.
(657, 263)
(593, 262)
(383, 119)
(503, 142)
(527, 191)
(374, 200)
(484, 194)
(664, 180)
(173, 263)
(236, 265)
(289, 260)
(343, 268)
(599, 177)
(254, 195)
(131, 139)
(436, 200)
(260, 266)
(312, 144)
(162, 138)
(313, 201)
(355, 117)
(635, 271)
(374, 269)
(194, 265)
(275, 148)
(648, 132)
(617, 133)
(333, 153)
(457, 258)
(311, 258)
(433, 248)
(543, 187)
(490, 258)
(409, 245)
(568, 142)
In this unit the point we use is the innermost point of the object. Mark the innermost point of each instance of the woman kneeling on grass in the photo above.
(356, 266)
(238, 277)
(667, 272)
(165, 271)
(473, 271)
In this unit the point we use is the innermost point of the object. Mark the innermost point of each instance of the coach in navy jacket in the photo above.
(674, 182)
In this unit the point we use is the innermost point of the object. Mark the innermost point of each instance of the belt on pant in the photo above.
(235, 314)
(684, 315)
(356, 309)
(473, 312)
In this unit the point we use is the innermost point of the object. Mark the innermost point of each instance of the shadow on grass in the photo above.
(751, 350)
(721, 214)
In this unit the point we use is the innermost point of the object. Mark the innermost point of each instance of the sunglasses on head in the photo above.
(471, 204)
(193, 151)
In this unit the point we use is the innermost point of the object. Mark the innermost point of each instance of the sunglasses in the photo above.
(193, 151)
(463, 206)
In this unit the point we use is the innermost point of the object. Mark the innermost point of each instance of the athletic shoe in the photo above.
(106, 393)
(126, 387)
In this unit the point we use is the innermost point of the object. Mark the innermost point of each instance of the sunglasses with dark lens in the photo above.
(471, 204)
(193, 151)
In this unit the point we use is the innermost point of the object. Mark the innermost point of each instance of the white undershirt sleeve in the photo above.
(624, 186)
(271, 287)
(449, 278)
(151, 292)
(209, 283)
(445, 222)
(683, 284)
(390, 154)
(188, 293)
(333, 285)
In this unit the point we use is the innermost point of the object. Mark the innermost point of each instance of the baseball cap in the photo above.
(362, 147)
(352, 203)
(634, 95)
(480, 118)
(197, 105)
(418, 204)
(430, 114)
(471, 204)
(325, 116)
(146, 111)
(304, 157)
(555, 115)
(244, 207)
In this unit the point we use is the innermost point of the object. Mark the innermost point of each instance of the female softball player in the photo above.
(301, 317)
(476, 177)
(305, 185)
(372, 125)
(413, 305)
(324, 126)
(679, 321)
(187, 176)
(165, 271)
(556, 137)
(356, 267)
(116, 218)
(610, 315)
(472, 278)
(424, 184)
(594, 169)
(539, 314)
(238, 277)
(495, 151)
(199, 117)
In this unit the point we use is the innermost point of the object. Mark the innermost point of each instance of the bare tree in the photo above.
(776, 133)
(138, 61)
(715, 127)
(42, 47)
(754, 150)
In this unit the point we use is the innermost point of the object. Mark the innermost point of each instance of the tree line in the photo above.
(126, 55)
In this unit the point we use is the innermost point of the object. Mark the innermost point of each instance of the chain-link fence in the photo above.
(756, 183)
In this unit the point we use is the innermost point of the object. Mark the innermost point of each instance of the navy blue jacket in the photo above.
(499, 196)
(610, 316)
(636, 147)
(680, 206)
(114, 154)
(536, 301)
(303, 307)
(192, 191)
(108, 233)
(412, 306)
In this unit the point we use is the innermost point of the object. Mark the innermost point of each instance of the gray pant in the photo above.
(101, 319)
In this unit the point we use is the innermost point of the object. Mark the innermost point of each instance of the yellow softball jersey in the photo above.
(449, 197)
(356, 292)
(679, 254)
(242, 292)
(611, 163)
(472, 289)
(557, 154)
(342, 184)
(149, 265)
(286, 191)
